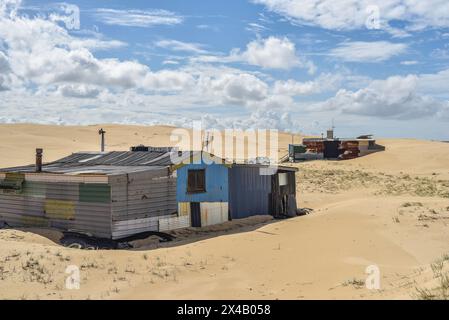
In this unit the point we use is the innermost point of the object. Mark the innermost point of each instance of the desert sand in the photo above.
(389, 209)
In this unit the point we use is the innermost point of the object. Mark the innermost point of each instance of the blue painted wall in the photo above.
(216, 184)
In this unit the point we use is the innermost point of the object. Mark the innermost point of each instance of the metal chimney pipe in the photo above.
(102, 132)
(39, 152)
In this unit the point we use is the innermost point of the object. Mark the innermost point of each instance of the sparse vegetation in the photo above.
(2, 273)
(437, 267)
(411, 204)
(337, 180)
(130, 269)
(89, 265)
(441, 275)
(35, 271)
(113, 270)
(356, 283)
(428, 213)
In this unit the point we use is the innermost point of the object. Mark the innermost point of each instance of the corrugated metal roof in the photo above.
(83, 170)
(264, 166)
(356, 139)
(107, 163)
(313, 140)
(336, 139)
(120, 158)
(119, 162)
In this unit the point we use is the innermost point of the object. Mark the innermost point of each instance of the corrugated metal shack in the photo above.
(296, 152)
(342, 148)
(109, 195)
(257, 189)
(202, 190)
(361, 146)
(324, 148)
(314, 145)
(215, 192)
(118, 194)
(349, 149)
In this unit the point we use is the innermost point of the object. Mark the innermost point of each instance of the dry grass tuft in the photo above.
(441, 276)
(356, 283)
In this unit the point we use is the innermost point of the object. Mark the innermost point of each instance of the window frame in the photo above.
(197, 176)
(283, 176)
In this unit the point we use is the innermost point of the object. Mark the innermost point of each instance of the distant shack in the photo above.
(333, 148)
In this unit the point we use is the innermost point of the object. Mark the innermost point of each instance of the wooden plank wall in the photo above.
(57, 205)
(146, 195)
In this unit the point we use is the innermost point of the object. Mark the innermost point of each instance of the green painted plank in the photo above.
(95, 192)
(34, 189)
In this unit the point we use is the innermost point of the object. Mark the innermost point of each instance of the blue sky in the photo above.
(378, 67)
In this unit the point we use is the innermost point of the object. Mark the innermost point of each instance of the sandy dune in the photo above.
(389, 209)
(19, 141)
(407, 155)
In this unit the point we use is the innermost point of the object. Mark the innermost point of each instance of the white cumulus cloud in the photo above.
(394, 98)
(353, 14)
(137, 18)
(176, 45)
(78, 91)
(324, 82)
(361, 51)
(269, 53)
(272, 52)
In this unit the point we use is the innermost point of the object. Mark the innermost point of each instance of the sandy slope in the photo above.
(19, 141)
(389, 209)
(407, 155)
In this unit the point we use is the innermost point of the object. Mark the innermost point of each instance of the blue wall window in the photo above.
(196, 181)
(216, 183)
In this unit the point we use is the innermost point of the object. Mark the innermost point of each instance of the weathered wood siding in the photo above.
(139, 200)
(59, 205)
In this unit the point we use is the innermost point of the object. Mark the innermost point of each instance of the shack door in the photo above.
(195, 214)
(331, 149)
